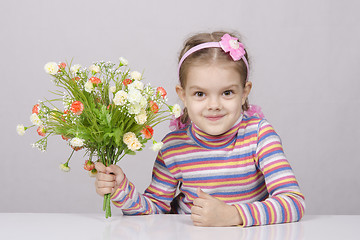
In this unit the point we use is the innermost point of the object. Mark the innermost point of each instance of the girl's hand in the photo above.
(108, 179)
(209, 211)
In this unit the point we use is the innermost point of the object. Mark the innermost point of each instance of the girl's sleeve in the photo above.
(157, 197)
(285, 202)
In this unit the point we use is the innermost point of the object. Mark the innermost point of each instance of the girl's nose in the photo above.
(214, 103)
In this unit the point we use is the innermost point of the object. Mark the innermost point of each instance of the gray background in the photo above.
(305, 73)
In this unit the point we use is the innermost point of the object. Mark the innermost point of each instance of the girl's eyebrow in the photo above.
(195, 87)
(231, 86)
(220, 87)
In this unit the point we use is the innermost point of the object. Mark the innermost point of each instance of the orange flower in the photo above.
(35, 109)
(127, 81)
(95, 80)
(148, 132)
(89, 165)
(76, 148)
(154, 107)
(77, 107)
(41, 131)
(62, 66)
(75, 79)
(161, 91)
(65, 138)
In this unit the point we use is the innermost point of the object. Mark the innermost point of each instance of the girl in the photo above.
(229, 167)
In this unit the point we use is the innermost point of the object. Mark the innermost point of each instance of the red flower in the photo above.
(109, 106)
(65, 138)
(148, 132)
(41, 131)
(76, 148)
(161, 91)
(95, 80)
(89, 165)
(127, 82)
(75, 79)
(77, 107)
(35, 108)
(154, 107)
(62, 66)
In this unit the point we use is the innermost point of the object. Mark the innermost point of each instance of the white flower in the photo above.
(134, 145)
(157, 146)
(51, 68)
(74, 69)
(77, 142)
(39, 146)
(93, 173)
(135, 75)
(20, 129)
(134, 108)
(134, 96)
(129, 137)
(34, 118)
(89, 86)
(143, 102)
(94, 68)
(120, 97)
(176, 110)
(137, 85)
(141, 117)
(123, 61)
(64, 167)
(112, 89)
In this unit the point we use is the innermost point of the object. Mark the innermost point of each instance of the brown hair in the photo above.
(208, 56)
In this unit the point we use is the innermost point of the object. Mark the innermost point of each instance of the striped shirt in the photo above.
(245, 167)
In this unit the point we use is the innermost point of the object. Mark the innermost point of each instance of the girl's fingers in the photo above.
(103, 187)
(195, 210)
(102, 184)
(115, 170)
(105, 177)
(196, 219)
(103, 191)
(199, 202)
(100, 167)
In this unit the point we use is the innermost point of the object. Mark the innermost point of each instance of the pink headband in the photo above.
(227, 44)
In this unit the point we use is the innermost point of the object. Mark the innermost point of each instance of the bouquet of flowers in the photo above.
(107, 110)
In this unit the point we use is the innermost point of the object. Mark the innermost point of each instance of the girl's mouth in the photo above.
(214, 118)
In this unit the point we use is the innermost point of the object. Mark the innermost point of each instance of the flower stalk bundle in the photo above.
(107, 110)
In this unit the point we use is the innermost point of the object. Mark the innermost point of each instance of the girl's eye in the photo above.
(199, 94)
(228, 92)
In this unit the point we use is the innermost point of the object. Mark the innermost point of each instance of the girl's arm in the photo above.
(286, 202)
(157, 197)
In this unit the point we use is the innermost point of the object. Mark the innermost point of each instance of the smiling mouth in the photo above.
(214, 118)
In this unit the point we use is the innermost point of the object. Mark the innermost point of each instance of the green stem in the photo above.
(106, 205)
(70, 156)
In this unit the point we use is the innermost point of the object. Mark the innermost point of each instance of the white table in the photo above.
(51, 226)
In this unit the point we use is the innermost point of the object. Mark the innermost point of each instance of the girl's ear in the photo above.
(246, 92)
(181, 93)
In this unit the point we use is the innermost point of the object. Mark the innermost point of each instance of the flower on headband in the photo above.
(176, 124)
(254, 110)
(232, 45)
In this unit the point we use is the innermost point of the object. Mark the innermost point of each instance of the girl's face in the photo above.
(213, 96)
